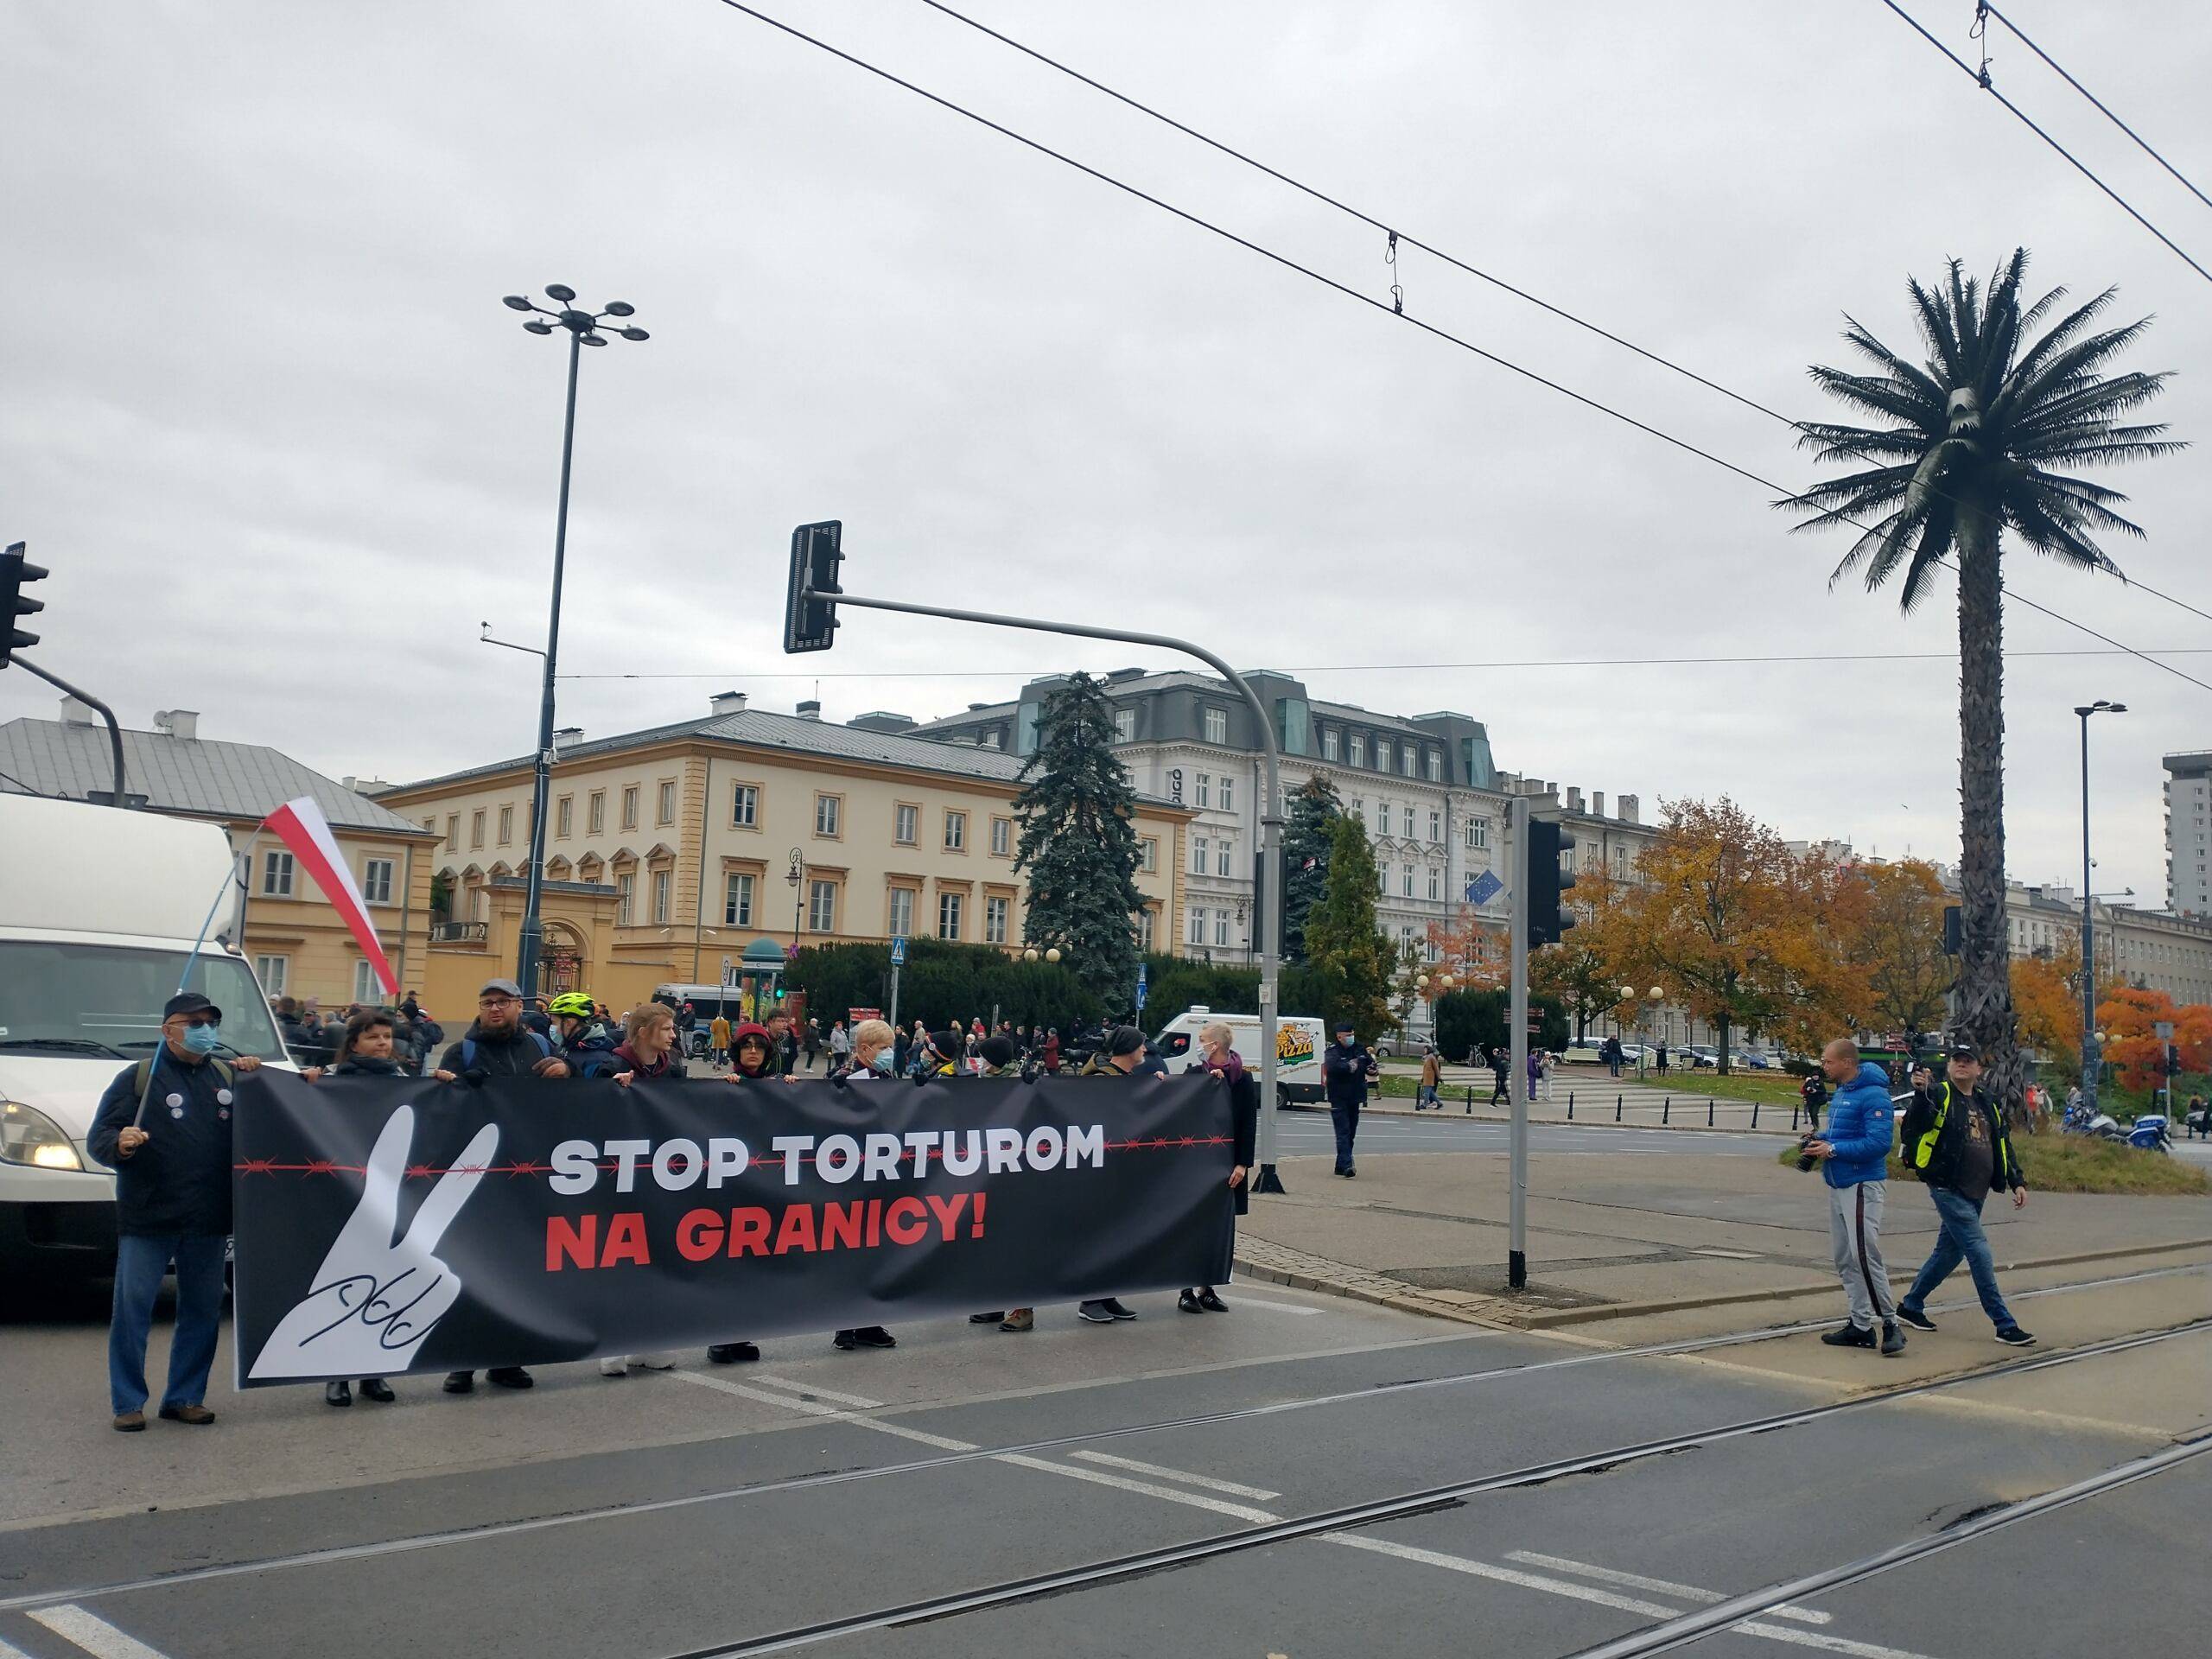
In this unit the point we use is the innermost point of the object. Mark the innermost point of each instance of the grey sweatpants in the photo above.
(1855, 1229)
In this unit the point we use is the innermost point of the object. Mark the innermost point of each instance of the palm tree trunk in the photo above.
(1984, 989)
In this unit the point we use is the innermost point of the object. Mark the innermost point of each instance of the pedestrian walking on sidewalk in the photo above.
(1955, 1139)
(1814, 1092)
(1345, 1072)
(1432, 1073)
(1854, 1158)
(1500, 1062)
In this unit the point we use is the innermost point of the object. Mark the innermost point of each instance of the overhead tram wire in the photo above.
(1980, 78)
(1407, 239)
(2020, 35)
(1384, 307)
(1782, 659)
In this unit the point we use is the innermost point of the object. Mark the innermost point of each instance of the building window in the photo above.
(476, 827)
(630, 807)
(1216, 725)
(1205, 797)
(1435, 882)
(430, 823)
(1381, 817)
(1412, 759)
(1329, 744)
(1125, 725)
(1409, 823)
(272, 971)
(737, 899)
(906, 824)
(1148, 853)
(826, 809)
(1197, 923)
(745, 806)
(596, 812)
(991, 738)
(368, 989)
(1359, 807)
(955, 832)
(276, 875)
(625, 898)
(994, 915)
(376, 880)
(948, 915)
(1358, 755)
(1222, 853)
(1229, 794)
(1002, 837)
(1200, 845)
(661, 882)
(822, 907)
(1382, 754)
(1435, 826)
(1145, 924)
(1383, 876)
(564, 815)
(1478, 832)
(453, 832)
(1406, 880)
(1436, 766)
(506, 825)
(902, 911)
(665, 808)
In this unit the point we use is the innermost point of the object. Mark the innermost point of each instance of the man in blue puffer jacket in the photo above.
(1854, 1154)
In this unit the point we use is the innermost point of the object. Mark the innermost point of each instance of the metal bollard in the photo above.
(1471, 1101)
(1570, 1105)
(1666, 1108)
(1616, 1109)
(1793, 1120)
(1709, 1111)
(1755, 1114)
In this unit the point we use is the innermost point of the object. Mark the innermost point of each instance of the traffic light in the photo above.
(809, 624)
(15, 571)
(1954, 930)
(1549, 876)
(780, 993)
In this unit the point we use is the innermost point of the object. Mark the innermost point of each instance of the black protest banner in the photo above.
(390, 1225)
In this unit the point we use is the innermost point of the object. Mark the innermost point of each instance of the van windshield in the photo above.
(92, 999)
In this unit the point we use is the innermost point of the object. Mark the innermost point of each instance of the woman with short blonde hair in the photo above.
(1217, 1043)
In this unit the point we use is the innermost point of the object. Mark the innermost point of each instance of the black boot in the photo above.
(337, 1394)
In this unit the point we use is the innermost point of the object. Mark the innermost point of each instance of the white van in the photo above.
(1298, 1042)
(99, 909)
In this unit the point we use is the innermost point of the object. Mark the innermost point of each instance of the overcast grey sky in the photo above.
(269, 426)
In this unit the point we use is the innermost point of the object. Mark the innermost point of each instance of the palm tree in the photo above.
(1965, 455)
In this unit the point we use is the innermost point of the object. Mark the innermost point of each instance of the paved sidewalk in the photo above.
(1595, 1098)
(1614, 1235)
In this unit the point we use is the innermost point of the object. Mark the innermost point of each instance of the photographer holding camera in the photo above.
(1854, 1155)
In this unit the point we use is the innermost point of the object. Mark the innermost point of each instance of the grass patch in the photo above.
(2076, 1163)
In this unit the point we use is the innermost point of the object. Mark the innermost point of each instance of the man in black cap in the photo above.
(164, 1128)
(1955, 1139)
(1345, 1072)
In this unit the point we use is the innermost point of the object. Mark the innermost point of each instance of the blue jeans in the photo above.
(1346, 1119)
(1961, 1240)
(139, 1265)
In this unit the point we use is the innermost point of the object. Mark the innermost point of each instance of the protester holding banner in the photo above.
(1222, 1060)
(586, 1041)
(172, 1202)
(497, 1045)
(366, 1050)
(783, 1046)
(648, 1049)
(753, 1059)
(863, 1071)
(1123, 1054)
(1001, 1060)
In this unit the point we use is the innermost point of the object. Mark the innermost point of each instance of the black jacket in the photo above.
(514, 1052)
(1344, 1072)
(1244, 1112)
(361, 1066)
(1935, 1132)
(178, 1182)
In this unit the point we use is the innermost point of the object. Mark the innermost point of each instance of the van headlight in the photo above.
(31, 1137)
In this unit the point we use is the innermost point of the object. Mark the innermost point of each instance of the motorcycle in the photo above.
(2152, 1133)
(2098, 1125)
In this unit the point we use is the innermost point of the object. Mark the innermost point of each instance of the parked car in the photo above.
(1699, 1054)
(1581, 1054)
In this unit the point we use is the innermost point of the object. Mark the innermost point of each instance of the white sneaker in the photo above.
(654, 1361)
(618, 1366)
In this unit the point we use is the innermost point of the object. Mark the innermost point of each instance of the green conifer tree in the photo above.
(1078, 844)
(1342, 938)
(1305, 859)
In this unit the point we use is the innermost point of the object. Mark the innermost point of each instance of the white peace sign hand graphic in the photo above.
(373, 1300)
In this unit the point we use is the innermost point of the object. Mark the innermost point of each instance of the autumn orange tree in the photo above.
(1477, 954)
(2129, 1018)
(1728, 921)
(1888, 921)
(2047, 1001)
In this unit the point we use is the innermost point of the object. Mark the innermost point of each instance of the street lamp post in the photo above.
(2092, 1040)
(1651, 1000)
(798, 899)
(583, 330)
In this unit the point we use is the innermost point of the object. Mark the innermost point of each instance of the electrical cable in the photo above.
(1980, 78)
(2020, 35)
(1400, 668)
(1408, 239)
(1429, 328)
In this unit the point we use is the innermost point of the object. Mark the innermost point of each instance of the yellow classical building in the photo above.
(299, 946)
(672, 852)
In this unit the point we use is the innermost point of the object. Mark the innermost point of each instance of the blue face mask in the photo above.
(202, 1039)
(881, 1064)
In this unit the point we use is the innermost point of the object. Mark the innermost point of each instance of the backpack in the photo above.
(468, 1049)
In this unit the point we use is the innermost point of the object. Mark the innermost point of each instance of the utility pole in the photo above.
(1516, 1082)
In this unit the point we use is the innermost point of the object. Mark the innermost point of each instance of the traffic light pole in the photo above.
(1517, 1259)
(114, 731)
(1264, 1179)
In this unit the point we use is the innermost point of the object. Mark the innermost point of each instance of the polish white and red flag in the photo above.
(303, 830)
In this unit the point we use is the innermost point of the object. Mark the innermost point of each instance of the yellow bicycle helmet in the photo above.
(575, 1004)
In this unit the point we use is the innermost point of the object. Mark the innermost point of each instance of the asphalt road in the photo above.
(796, 1498)
(1383, 1134)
